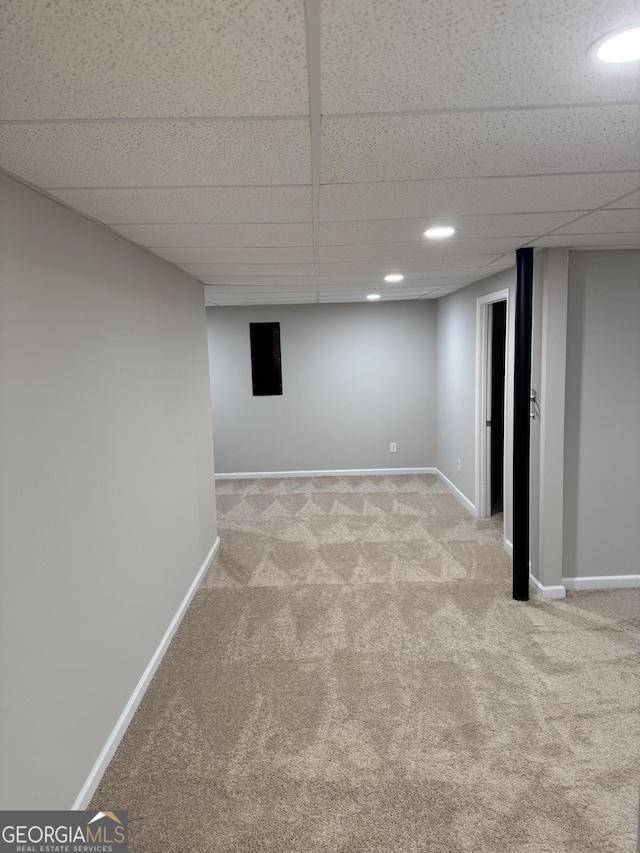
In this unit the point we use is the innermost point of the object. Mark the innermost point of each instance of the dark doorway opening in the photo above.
(498, 358)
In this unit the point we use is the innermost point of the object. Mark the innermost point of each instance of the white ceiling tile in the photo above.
(301, 282)
(134, 154)
(201, 236)
(525, 225)
(284, 283)
(591, 241)
(604, 222)
(248, 269)
(630, 201)
(425, 250)
(381, 268)
(347, 284)
(243, 293)
(193, 204)
(280, 255)
(422, 275)
(260, 299)
(355, 297)
(65, 59)
(410, 199)
(528, 142)
(387, 57)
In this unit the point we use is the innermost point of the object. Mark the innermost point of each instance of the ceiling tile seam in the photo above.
(111, 187)
(592, 233)
(414, 242)
(233, 222)
(304, 117)
(313, 35)
(99, 222)
(269, 263)
(401, 260)
(577, 219)
(156, 119)
(427, 217)
(486, 109)
(342, 245)
(465, 178)
(238, 248)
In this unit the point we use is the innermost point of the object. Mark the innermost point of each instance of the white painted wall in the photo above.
(456, 383)
(355, 378)
(602, 438)
(107, 505)
(548, 378)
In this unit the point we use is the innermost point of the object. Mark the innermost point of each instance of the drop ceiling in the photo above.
(282, 151)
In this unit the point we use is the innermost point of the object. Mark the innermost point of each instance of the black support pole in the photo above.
(521, 423)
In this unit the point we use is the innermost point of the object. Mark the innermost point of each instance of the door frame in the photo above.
(483, 402)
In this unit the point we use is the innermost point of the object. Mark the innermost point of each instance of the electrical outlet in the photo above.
(393, 447)
(459, 465)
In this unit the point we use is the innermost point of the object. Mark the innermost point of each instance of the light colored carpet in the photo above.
(353, 676)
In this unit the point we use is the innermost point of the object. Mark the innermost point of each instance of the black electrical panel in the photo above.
(266, 367)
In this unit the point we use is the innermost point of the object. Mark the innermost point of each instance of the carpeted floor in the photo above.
(353, 676)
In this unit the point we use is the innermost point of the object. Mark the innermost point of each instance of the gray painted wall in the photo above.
(456, 383)
(107, 504)
(355, 378)
(602, 438)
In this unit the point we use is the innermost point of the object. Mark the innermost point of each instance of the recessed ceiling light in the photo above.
(621, 45)
(439, 232)
(373, 296)
(396, 276)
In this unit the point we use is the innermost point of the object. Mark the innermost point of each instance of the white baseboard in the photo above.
(555, 591)
(508, 547)
(602, 582)
(87, 791)
(348, 472)
(464, 500)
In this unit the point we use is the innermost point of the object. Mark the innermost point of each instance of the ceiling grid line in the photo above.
(313, 34)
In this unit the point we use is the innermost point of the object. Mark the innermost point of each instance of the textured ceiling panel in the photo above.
(221, 290)
(356, 297)
(472, 196)
(426, 250)
(200, 236)
(133, 154)
(187, 125)
(301, 282)
(193, 204)
(386, 57)
(294, 255)
(383, 268)
(95, 59)
(605, 221)
(531, 142)
(526, 226)
(216, 293)
(262, 299)
(362, 292)
(248, 269)
(431, 274)
(355, 285)
(592, 241)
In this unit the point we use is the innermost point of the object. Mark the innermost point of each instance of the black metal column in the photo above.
(521, 423)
